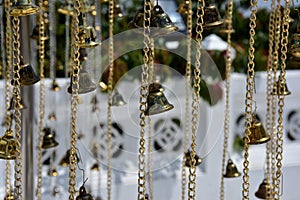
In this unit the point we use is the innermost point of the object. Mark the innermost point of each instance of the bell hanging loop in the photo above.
(231, 170)
(8, 146)
(23, 8)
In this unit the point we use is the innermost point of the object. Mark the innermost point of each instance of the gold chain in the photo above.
(281, 96)
(74, 99)
(8, 88)
(270, 85)
(227, 86)
(17, 99)
(109, 96)
(196, 102)
(249, 99)
(143, 102)
(187, 97)
(42, 99)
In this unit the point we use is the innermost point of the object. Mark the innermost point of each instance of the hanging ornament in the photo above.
(52, 116)
(8, 146)
(13, 105)
(262, 190)
(23, 8)
(49, 139)
(231, 170)
(211, 17)
(52, 171)
(257, 133)
(83, 195)
(86, 84)
(281, 88)
(117, 99)
(87, 36)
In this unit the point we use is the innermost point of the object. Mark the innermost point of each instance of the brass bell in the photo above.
(95, 167)
(211, 17)
(117, 11)
(83, 195)
(117, 99)
(66, 159)
(87, 37)
(19, 106)
(156, 100)
(49, 139)
(36, 33)
(8, 146)
(52, 171)
(55, 87)
(9, 196)
(184, 8)
(52, 116)
(162, 22)
(188, 161)
(280, 89)
(22, 8)
(258, 133)
(27, 75)
(264, 187)
(85, 83)
(231, 170)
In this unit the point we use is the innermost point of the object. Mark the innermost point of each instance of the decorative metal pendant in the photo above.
(85, 83)
(231, 170)
(49, 139)
(8, 146)
(83, 195)
(23, 8)
(264, 187)
(188, 157)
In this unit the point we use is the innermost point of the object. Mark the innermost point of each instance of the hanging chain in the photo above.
(143, 102)
(109, 96)
(281, 96)
(74, 99)
(17, 99)
(42, 100)
(8, 46)
(196, 102)
(249, 100)
(269, 88)
(187, 97)
(227, 94)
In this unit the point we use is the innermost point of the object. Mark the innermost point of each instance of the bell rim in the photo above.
(66, 11)
(261, 141)
(13, 157)
(168, 107)
(90, 45)
(212, 25)
(26, 83)
(17, 11)
(259, 195)
(235, 175)
(54, 144)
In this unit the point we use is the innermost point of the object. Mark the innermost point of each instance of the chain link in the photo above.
(17, 115)
(109, 96)
(249, 99)
(227, 94)
(42, 100)
(74, 98)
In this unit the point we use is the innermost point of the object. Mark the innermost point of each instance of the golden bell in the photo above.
(85, 83)
(156, 100)
(161, 21)
(55, 87)
(117, 11)
(231, 170)
(48, 139)
(19, 106)
(9, 196)
(211, 17)
(258, 134)
(65, 161)
(52, 116)
(22, 8)
(27, 75)
(264, 187)
(87, 37)
(188, 161)
(52, 171)
(83, 195)
(95, 167)
(8, 146)
(184, 8)
(36, 33)
(117, 99)
(280, 89)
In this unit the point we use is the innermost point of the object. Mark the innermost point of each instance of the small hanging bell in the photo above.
(184, 8)
(258, 134)
(36, 34)
(117, 99)
(85, 83)
(188, 161)
(156, 100)
(66, 159)
(117, 11)
(9, 196)
(281, 89)
(83, 195)
(55, 87)
(23, 8)
(264, 187)
(95, 167)
(231, 170)
(49, 139)
(8, 146)
(52, 116)
(87, 37)
(27, 75)
(211, 17)
(52, 171)
(19, 106)
(161, 22)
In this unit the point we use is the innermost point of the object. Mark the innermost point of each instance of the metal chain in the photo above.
(227, 94)
(143, 102)
(74, 99)
(17, 115)
(109, 96)
(187, 97)
(196, 102)
(8, 95)
(42, 100)
(270, 85)
(249, 99)
(281, 96)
